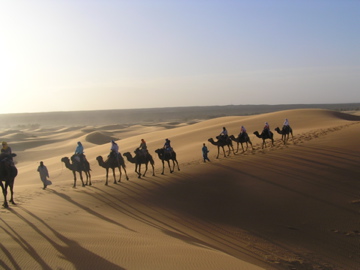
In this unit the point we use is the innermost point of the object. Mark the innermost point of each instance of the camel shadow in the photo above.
(11, 258)
(70, 250)
(88, 210)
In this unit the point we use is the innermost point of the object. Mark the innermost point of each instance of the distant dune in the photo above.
(293, 205)
(99, 137)
(154, 115)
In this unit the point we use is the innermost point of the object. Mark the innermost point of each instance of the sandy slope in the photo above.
(293, 206)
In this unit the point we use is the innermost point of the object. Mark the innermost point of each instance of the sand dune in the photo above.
(99, 137)
(287, 206)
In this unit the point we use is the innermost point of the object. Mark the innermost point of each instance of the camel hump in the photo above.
(76, 159)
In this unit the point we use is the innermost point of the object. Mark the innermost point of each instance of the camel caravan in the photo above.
(79, 165)
(224, 140)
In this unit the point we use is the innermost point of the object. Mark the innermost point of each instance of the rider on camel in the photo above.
(286, 125)
(167, 146)
(242, 132)
(143, 147)
(267, 129)
(6, 153)
(79, 151)
(114, 150)
(224, 134)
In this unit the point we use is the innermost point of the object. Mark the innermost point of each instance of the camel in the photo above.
(139, 159)
(76, 166)
(241, 140)
(222, 143)
(167, 157)
(112, 163)
(264, 136)
(285, 133)
(8, 172)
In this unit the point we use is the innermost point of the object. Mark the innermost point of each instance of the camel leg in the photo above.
(113, 170)
(177, 163)
(163, 167)
(88, 178)
(4, 190)
(107, 175)
(224, 151)
(231, 148)
(146, 168)
(115, 176)
(81, 178)
(90, 184)
(74, 179)
(168, 161)
(127, 178)
(11, 185)
(173, 168)
(152, 165)
(292, 137)
(138, 171)
(242, 147)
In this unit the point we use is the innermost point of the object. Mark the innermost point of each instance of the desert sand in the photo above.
(287, 206)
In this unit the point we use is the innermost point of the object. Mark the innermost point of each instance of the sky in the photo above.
(75, 55)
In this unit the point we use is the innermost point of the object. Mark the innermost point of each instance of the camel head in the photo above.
(256, 133)
(160, 152)
(99, 158)
(65, 160)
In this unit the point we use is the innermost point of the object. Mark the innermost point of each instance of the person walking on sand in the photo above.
(44, 174)
(205, 152)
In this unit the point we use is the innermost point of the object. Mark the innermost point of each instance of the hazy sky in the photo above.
(113, 54)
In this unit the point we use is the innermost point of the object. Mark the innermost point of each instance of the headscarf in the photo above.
(4, 144)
